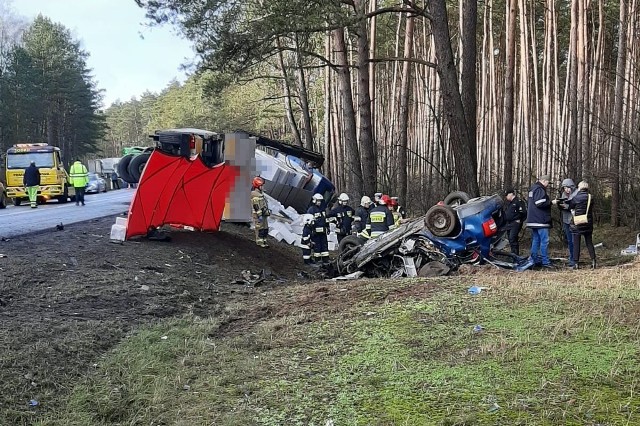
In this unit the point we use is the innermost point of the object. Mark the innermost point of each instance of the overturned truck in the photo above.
(197, 178)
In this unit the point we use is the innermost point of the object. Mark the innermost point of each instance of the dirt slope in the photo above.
(68, 296)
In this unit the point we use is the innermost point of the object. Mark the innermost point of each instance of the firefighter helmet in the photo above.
(365, 201)
(317, 197)
(393, 202)
(257, 182)
(343, 198)
(384, 200)
(307, 219)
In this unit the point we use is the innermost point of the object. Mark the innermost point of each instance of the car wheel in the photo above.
(441, 221)
(123, 168)
(3, 200)
(349, 242)
(136, 166)
(457, 198)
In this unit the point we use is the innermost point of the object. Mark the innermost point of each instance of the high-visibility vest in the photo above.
(79, 175)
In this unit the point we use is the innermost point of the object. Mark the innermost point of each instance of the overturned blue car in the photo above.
(464, 231)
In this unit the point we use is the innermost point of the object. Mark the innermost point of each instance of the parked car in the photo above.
(445, 238)
(96, 184)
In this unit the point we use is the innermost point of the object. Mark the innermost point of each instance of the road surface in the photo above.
(18, 220)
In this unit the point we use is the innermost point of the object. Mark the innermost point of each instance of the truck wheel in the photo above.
(123, 168)
(3, 200)
(457, 198)
(65, 195)
(441, 221)
(16, 201)
(136, 166)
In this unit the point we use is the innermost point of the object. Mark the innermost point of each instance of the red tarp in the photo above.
(178, 191)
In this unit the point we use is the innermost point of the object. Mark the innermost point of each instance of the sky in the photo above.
(126, 55)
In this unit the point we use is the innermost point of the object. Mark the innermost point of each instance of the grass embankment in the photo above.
(555, 348)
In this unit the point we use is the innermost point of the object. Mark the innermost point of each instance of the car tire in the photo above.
(441, 221)
(123, 168)
(456, 198)
(136, 166)
(349, 242)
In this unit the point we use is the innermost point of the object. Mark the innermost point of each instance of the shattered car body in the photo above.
(468, 234)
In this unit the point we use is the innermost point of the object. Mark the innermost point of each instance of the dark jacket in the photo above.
(342, 216)
(578, 204)
(538, 207)
(319, 219)
(362, 214)
(31, 176)
(379, 221)
(515, 210)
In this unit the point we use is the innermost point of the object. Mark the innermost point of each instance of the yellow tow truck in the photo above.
(54, 179)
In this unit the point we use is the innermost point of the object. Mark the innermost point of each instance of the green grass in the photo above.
(554, 349)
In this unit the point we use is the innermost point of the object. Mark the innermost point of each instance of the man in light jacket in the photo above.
(79, 179)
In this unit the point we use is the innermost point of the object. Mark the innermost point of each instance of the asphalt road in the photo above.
(23, 219)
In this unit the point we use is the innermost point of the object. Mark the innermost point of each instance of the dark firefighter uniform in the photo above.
(515, 213)
(342, 215)
(260, 214)
(305, 242)
(319, 234)
(360, 218)
(380, 220)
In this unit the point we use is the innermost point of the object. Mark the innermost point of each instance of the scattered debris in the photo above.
(476, 290)
(352, 276)
(478, 328)
(495, 407)
(164, 337)
(60, 227)
(3, 255)
(33, 403)
(144, 287)
(158, 235)
(633, 249)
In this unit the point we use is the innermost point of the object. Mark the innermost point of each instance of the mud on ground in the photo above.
(67, 297)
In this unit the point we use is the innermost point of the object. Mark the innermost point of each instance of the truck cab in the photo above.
(54, 180)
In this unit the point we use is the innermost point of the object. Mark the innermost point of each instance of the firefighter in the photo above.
(260, 211)
(319, 236)
(400, 209)
(361, 215)
(376, 198)
(393, 208)
(305, 243)
(380, 219)
(342, 215)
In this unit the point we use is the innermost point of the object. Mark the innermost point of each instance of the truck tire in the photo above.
(136, 166)
(123, 168)
(16, 201)
(457, 198)
(65, 195)
(3, 200)
(441, 221)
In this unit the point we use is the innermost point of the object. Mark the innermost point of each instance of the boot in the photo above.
(593, 264)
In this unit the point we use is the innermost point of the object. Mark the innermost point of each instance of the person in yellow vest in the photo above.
(79, 179)
(260, 211)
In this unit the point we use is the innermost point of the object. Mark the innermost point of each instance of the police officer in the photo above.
(305, 243)
(380, 219)
(342, 215)
(319, 237)
(362, 214)
(260, 211)
(515, 213)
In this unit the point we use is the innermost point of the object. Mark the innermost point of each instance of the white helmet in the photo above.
(317, 197)
(343, 198)
(365, 201)
(307, 219)
(377, 195)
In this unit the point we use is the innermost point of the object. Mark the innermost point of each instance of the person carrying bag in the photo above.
(582, 222)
